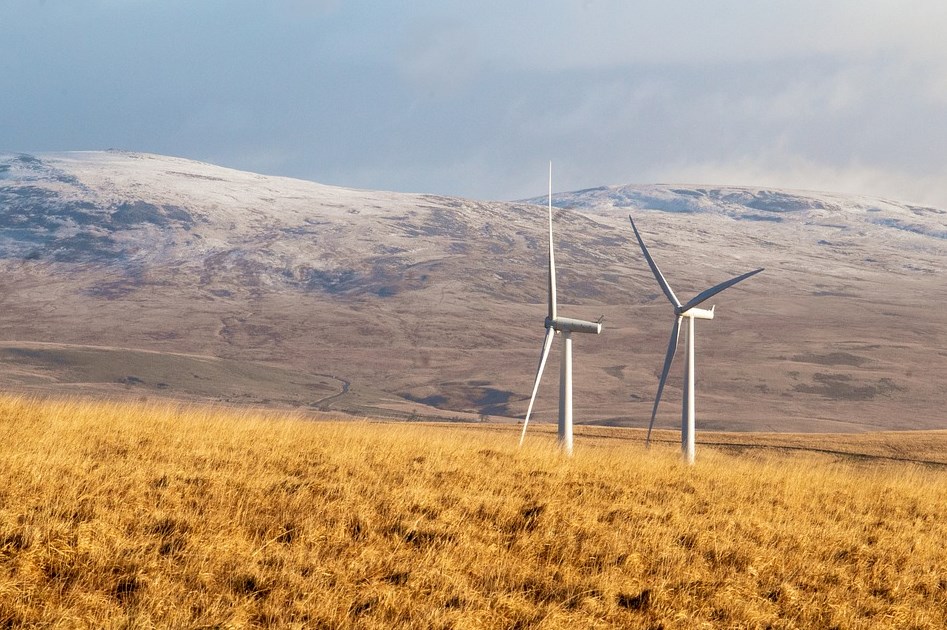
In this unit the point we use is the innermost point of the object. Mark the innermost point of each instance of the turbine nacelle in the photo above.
(569, 325)
(696, 313)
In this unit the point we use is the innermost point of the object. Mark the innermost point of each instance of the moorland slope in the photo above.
(405, 303)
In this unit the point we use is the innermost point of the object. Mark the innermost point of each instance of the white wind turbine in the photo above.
(555, 324)
(690, 312)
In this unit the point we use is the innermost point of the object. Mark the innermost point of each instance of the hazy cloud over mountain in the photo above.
(473, 98)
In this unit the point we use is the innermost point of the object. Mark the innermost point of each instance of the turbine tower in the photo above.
(555, 324)
(690, 312)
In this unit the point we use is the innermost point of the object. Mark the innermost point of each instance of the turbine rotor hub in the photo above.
(695, 313)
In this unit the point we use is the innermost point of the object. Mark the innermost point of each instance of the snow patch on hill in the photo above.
(757, 204)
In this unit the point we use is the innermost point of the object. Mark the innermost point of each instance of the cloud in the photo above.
(438, 56)
(473, 98)
(569, 34)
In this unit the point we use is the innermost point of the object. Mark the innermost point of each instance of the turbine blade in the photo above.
(712, 291)
(672, 348)
(552, 259)
(547, 345)
(654, 268)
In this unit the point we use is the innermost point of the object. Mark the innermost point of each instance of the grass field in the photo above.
(122, 515)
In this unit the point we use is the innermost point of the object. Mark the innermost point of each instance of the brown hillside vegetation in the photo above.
(122, 515)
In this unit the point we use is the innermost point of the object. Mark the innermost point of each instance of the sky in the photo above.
(474, 98)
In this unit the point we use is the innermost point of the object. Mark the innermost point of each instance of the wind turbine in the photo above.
(555, 324)
(690, 312)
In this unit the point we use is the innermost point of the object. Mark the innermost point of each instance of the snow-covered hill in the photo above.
(768, 205)
(424, 300)
(132, 210)
(759, 204)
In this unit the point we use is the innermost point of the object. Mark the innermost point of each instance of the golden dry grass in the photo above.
(121, 515)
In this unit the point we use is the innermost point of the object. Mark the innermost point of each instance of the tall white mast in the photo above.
(555, 324)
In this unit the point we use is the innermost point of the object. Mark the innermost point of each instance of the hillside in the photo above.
(183, 517)
(412, 303)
